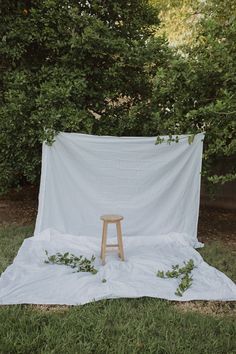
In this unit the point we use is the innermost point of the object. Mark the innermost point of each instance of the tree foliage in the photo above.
(179, 20)
(63, 64)
(203, 88)
(98, 67)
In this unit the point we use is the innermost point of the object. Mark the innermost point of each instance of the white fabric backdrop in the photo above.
(29, 280)
(155, 187)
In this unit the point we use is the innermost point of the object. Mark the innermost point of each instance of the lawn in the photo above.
(119, 326)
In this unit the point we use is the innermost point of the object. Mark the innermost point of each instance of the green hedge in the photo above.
(97, 67)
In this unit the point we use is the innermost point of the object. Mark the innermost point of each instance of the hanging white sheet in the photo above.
(155, 187)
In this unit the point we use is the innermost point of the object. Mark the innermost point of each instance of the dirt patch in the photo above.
(19, 207)
(214, 308)
(217, 225)
(50, 308)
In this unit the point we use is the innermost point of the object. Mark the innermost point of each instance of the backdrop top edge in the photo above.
(127, 138)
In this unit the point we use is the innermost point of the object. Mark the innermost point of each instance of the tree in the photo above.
(213, 60)
(198, 91)
(63, 64)
(179, 20)
(99, 67)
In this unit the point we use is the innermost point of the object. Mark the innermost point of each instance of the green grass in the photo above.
(11, 238)
(114, 326)
(220, 256)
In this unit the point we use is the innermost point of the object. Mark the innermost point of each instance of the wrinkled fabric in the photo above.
(155, 187)
(31, 280)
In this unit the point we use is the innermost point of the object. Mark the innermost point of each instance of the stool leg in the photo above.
(120, 242)
(104, 242)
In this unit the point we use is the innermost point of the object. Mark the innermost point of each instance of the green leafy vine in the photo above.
(184, 273)
(80, 264)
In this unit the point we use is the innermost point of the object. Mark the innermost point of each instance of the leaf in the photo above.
(180, 272)
(191, 139)
(81, 264)
(160, 274)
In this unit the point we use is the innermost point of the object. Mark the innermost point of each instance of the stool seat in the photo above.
(111, 218)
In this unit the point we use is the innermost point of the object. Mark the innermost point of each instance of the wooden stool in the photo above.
(111, 219)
